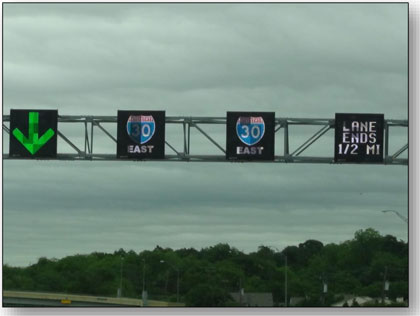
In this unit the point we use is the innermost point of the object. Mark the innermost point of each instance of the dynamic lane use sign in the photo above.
(250, 136)
(33, 133)
(359, 138)
(141, 134)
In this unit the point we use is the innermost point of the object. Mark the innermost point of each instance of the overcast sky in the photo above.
(298, 60)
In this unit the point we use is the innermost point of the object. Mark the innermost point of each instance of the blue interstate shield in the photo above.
(250, 129)
(141, 128)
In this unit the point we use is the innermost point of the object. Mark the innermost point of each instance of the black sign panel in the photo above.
(250, 136)
(141, 135)
(33, 133)
(359, 138)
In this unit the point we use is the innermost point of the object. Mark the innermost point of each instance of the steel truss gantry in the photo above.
(91, 123)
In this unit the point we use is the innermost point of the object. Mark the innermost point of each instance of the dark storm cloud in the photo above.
(297, 60)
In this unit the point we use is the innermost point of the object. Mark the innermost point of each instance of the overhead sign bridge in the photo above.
(247, 137)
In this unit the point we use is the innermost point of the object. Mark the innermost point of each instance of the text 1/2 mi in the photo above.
(352, 149)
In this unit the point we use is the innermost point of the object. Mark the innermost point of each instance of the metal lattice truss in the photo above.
(95, 123)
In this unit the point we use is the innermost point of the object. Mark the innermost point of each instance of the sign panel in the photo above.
(141, 135)
(33, 133)
(359, 138)
(250, 136)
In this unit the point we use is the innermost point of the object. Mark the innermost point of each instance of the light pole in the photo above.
(144, 269)
(323, 279)
(285, 280)
(144, 294)
(396, 213)
(177, 278)
(386, 284)
(121, 273)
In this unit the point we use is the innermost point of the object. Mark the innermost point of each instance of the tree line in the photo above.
(205, 277)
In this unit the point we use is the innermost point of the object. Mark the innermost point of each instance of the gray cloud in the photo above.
(246, 55)
(141, 205)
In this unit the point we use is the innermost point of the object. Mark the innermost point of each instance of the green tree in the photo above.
(207, 295)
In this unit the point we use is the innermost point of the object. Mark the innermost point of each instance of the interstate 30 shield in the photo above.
(141, 135)
(250, 136)
(141, 128)
(250, 129)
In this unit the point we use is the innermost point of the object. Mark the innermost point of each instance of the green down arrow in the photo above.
(33, 143)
